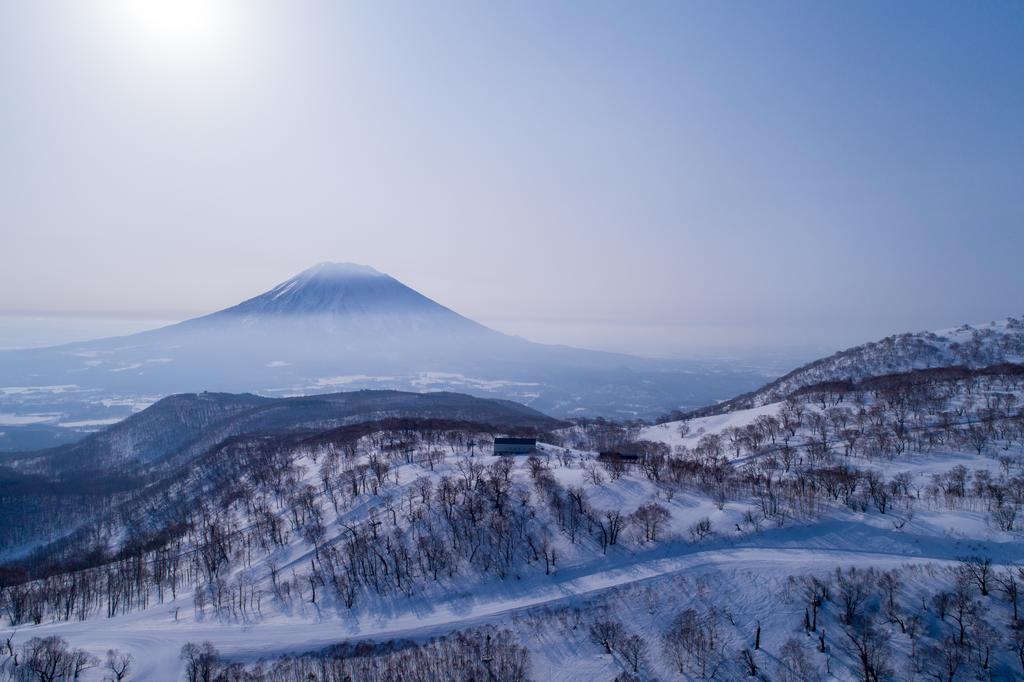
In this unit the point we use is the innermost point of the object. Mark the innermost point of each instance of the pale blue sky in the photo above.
(646, 177)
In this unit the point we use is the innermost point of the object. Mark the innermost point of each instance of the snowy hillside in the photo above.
(49, 495)
(968, 346)
(179, 427)
(858, 534)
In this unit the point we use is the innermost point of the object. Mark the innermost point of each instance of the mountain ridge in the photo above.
(968, 347)
(185, 425)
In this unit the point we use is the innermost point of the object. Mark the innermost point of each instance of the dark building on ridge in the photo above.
(515, 446)
(609, 457)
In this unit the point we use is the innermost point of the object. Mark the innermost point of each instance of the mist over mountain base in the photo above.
(343, 327)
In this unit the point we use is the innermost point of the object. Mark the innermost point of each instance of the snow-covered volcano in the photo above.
(343, 326)
(341, 289)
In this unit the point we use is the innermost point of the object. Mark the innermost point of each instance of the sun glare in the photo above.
(175, 28)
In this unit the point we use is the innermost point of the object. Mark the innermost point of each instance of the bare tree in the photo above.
(816, 592)
(50, 659)
(962, 606)
(607, 633)
(633, 648)
(870, 646)
(978, 569)
(945, 659)
(649, 518)
(852, 590)
(794, 664)
(1007, 583)
(119, 664)
(701, 529)
(694, 643)
(1017, 644)
(202, 661)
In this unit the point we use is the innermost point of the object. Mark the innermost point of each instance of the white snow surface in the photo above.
(747, 570)
(740, 569)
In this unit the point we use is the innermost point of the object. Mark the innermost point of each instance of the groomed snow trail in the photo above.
(156, 639)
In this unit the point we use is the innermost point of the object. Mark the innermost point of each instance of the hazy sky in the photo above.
(634, 176)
